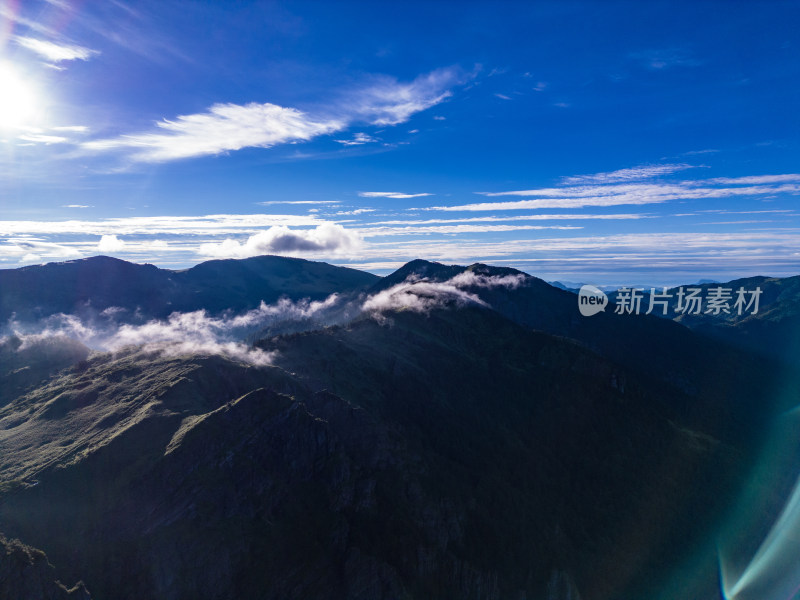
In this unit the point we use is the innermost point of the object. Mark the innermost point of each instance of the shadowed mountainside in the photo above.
(26, 574)
(496, 447)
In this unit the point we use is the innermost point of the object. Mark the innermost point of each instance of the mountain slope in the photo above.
(657, 348)
(483, 442)
(773, 331)
(534, 438)
(443, 445)
(25, 573)
(29, 361)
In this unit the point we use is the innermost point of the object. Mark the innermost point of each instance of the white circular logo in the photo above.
(591, 300)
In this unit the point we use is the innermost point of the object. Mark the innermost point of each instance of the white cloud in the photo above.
(33, 249)
(271, 202)
(368, 232)
(533, 217)
(12, 15)
(55, 52)
(230, 127)
(616, 195)
(75, 206)
(419, 296)
(358, 139)
(389, 102)
(223, 128)
(327, 238)
(110, 243)
(357, 211)
(472, 279)
(422, 295)
(180, 334)
(586, 191)
(187, 333)
(756, 179)
(38, 138)
(72, 128)
(395, 195)
(503, 97)
(222, 224)
(632, 174)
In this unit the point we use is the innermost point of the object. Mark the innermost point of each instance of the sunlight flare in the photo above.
(19, 106)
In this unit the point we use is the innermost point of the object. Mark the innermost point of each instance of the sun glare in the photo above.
(18, 102)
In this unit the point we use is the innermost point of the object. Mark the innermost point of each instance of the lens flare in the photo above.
(773, 571)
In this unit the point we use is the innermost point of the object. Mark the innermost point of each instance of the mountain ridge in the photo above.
(94, 284)
(412, 447)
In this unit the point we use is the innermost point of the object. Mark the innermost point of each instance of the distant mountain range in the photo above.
(442, 432)
(774, 330)
(99, 283)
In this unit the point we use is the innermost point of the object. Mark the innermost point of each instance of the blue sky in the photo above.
(613, 142)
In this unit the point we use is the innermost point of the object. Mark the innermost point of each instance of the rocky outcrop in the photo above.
(25, 574)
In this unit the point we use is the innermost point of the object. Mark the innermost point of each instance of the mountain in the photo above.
(773, 331)
(26, 573)
(414, 458)
(451, 432)
(664, 350)
(569, 286)
(92, 285)
(27, 362)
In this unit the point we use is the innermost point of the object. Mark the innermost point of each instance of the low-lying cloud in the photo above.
(198, 332)
(423, 295)
(187, 333)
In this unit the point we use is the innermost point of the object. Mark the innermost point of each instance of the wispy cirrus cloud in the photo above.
(666, 58)
(72, 128)
(624, 175)
(533, 217)
(755, 179)
(221, 224)
(453, 229)
(54, 52)
(386, 101)
(395, 195)
(634, 187)
(358, 139)
(28, 250)
(228, 127)
(11, 14)
(39, 138)
(224, 128)
(271, 202)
